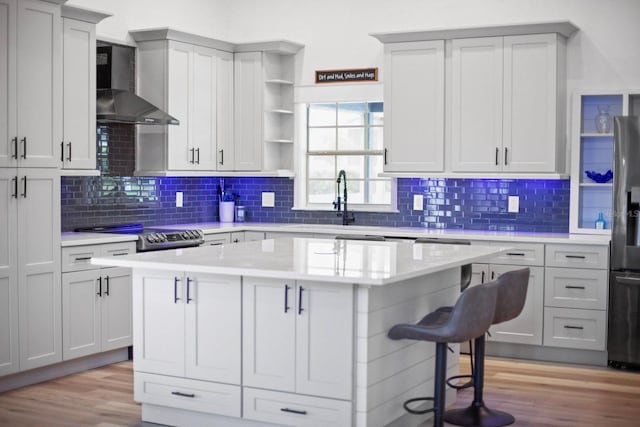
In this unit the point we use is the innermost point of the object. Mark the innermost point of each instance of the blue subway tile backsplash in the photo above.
(466, 204)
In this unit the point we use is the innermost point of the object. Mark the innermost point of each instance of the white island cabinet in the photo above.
(304, 320)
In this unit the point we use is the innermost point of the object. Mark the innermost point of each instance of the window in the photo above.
(349, 136)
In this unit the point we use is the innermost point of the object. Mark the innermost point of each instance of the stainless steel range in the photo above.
(153, 239)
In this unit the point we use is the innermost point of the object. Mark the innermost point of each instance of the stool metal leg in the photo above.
(477, 414)
(439, 382)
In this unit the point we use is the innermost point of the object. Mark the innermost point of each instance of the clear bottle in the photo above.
(600, 222)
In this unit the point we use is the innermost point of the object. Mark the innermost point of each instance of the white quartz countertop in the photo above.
(336, 261)
(413, 232)
(78, 239)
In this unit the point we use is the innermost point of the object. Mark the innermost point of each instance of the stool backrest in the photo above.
(466, 270)
(472, 314)
(512, 294)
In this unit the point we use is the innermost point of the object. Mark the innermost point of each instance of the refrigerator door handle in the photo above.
(628, 280)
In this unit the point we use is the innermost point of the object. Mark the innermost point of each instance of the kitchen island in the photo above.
(287, 331)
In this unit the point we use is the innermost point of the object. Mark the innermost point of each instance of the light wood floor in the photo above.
(537, 394)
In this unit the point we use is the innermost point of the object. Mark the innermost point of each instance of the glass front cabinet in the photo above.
(592, 156)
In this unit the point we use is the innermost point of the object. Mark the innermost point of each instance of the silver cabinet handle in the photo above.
(15, 187)
(15, 147)
(175, 290)
(193, 156)
(24, 187)
(574, 287)
(106, 279)
(189, 290)
(505, 155)
(181, 394)
(62, 151)
(198, 158)
(24, 147)
(573, 327)
(497, 152)
(222, 157)
(69, 145)
(300, 309)
(99, 287)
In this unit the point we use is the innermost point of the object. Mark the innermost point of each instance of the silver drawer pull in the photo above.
(573, 327)
(574, 287)
(179, 393)
(575, 256)
(293, 411)
(120, 254)
(515, 253)
(83, 258)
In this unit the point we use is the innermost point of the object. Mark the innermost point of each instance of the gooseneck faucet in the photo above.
(347, 217)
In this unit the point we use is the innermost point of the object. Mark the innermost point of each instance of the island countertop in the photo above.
(335, 261)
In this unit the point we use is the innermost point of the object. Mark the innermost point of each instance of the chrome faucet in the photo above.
(347, 217)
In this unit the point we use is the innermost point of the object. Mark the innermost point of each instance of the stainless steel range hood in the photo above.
(115, 103)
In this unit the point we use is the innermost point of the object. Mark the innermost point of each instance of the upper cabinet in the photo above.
(234, 104)
(414, 106)
(192, 79)
(264, 114)
(31, 83)
(78, 144)
(504, 99)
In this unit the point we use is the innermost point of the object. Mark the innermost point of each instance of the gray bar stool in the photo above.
(512, 293)
(465, 280)
(469, 318)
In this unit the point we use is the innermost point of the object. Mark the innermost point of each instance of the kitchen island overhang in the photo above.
(288, 331)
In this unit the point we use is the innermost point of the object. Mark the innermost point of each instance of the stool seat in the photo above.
(469, 318)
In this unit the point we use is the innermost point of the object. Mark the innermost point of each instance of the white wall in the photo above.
(604, 53)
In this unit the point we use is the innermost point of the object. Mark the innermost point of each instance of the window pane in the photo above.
(350, 138)
(322, 167)
(322, 114)
(322, 139)
(375, 166)
(379, 192)
(355, 191)
(352, 165)
(322, 191)
(376, 113)
(351, 114)
(375, 138)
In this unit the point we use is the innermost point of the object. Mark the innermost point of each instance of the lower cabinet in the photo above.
(298, 337)
(96, 311)
(181, 323)
(294, 410)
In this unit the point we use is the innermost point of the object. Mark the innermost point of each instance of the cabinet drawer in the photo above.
(294, 410)
(216, 239)
(574, 328)
(192, 395)
(78, 258)
(575, 288)
(524, 254)
(117, 249)
(581, 256)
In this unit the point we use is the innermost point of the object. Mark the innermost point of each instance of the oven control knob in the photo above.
(185, 235)
(191, 234)
(150, 238)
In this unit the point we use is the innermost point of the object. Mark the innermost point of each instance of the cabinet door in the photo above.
(39, 267)
(268, 336)
(324, 340)
(530, 93)
(8, 154)
(225, 154)
(8, 272)
(117, 328)
(81, 296)
(213, 329)
(248, 110)
(414, 107)
(158, 322)
(39, 77)
(476, 112)
(204, 108)
(79, 95)
(181, 152)
(527, 327)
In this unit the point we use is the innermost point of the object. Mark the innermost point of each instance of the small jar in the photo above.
(240, 213)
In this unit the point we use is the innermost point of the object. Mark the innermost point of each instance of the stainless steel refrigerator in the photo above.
(623, 341)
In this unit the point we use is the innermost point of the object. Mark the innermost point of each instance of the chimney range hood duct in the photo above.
(115, 103)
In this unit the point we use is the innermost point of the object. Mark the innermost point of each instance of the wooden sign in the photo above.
(347, 76)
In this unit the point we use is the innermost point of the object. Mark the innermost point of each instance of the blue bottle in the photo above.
(600, 222)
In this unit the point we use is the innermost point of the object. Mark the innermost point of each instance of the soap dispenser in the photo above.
(600, 222)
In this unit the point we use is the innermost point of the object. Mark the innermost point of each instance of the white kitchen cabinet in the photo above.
(217, 239)
(183, 319)
(508, 104)
(96, 311)
(9, 344)
(191, 78)
(78, 145)
(414, 106)
(264, 77)
(298, 337)
(30, 83)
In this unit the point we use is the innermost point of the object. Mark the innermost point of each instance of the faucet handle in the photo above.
(337, 203)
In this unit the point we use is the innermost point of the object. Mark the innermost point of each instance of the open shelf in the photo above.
(596, 184)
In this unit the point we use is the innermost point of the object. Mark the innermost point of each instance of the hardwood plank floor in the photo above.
(537, 394)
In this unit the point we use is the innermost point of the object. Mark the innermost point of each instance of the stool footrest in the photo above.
(417, 399)
(478, 416)
(461, 386)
